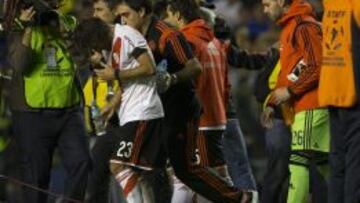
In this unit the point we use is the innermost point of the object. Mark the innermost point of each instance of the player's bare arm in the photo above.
(108, 111)
(146, 68)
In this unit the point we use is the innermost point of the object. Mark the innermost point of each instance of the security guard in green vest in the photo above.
(46, 102)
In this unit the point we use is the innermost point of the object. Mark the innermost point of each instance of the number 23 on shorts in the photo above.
(125, 149)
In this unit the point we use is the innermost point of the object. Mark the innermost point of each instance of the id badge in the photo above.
(50, 55)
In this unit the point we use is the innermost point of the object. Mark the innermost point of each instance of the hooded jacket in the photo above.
(212, 85)
(300, 55)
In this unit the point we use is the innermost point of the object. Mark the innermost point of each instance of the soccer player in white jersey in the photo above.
(140, 111)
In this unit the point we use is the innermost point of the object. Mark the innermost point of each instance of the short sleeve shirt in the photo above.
(140, 100)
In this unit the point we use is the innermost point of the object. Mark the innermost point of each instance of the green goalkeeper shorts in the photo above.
(311, 131)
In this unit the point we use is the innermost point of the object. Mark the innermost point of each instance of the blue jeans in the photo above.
(236, 156)
(278, 147)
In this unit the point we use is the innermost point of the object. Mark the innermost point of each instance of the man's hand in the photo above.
(95, 58)
(108, 73)
(267, 117)
(108, 111)
(281, 95)
(163, 82)
(26, 15)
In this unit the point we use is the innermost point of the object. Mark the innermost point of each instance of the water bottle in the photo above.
(162, 66)
(99, 124)
(161, 76)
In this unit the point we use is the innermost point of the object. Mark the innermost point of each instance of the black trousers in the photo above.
(37, 134)
(180, 140)
(99, 178)
(210, 145)
(344, 181)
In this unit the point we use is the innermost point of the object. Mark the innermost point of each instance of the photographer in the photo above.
(45, 102)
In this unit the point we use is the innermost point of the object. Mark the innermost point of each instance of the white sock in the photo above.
(135, 188)
(183, 194)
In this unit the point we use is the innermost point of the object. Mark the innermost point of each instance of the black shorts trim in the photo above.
(211, 148)
(139, 144)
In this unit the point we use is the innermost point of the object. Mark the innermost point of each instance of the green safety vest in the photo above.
(50, 82)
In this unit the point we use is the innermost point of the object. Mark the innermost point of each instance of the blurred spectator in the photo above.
(258, 22)
(229, 10)
(83, 9)
(265, 40)
(241, 38)
(318, 7)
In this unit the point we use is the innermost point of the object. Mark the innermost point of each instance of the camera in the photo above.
(2, 17)
(46, 14)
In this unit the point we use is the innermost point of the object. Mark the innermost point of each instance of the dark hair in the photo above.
(105, 1)
(92, 34)
(288, 2)
(188, 9)
(160, 8)
(136, 5)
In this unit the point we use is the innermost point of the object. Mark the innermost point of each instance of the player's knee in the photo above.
(116, 168)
